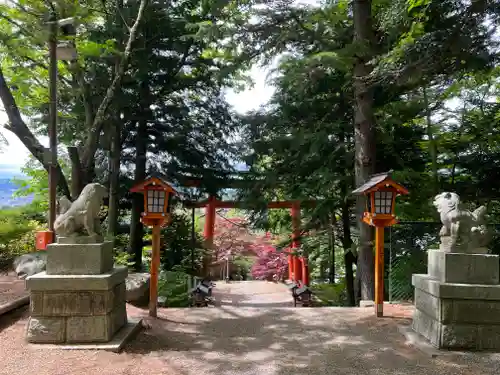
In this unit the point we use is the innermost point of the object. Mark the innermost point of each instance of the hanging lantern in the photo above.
(157, 200)
(380, 192)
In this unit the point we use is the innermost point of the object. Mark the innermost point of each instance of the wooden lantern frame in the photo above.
(155, 183)
(381, 182)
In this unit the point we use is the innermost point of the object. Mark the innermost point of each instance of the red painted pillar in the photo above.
(297, 267)
(305, 271)
(208, 232)
(290, 266)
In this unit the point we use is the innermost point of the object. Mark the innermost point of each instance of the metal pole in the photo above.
(52, 129)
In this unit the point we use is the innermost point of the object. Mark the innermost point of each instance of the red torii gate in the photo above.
(298, 270)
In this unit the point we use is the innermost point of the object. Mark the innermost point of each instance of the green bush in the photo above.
(174, 286)
(331, 294)
(17, 233)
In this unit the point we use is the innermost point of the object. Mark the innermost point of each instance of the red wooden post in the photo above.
(290, 266)
(208, 232)
(379, 271)
(155, 266)
(297, 266)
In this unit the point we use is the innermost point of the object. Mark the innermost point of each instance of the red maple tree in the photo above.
(270, 263)
(233, 237)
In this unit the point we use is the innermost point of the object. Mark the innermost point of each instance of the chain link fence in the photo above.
(407, 244)
(406, 248)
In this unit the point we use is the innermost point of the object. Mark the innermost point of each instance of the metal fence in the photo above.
(406, 246)
(406, 253)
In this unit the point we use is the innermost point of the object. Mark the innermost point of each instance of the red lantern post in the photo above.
(381, 192)
(157, 193)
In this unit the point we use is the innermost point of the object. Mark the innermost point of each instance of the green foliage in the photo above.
(179, 245)
(174, 286)
(123, 258)
(17, 233)
(331, 294)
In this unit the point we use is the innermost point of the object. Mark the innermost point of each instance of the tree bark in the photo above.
(349, 258)
(432, 143)
(17, 126)
(114, 180)
(136, 227)
(364, 138)
(331, 246)
(76, 177)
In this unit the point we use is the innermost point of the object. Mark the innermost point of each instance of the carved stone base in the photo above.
(76, 308)
(457, 316)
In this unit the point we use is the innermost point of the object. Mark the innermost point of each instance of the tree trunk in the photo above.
(349, 257)
(76, 175)
(331, 247)
(432, 144)
(115, 147)
(364, 138)
(141, 144)
(114, 180)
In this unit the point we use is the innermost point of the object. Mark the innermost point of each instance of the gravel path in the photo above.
(244, 335)
(11, 288)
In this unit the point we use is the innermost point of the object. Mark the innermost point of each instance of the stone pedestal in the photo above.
(80, 298)
(457, 304)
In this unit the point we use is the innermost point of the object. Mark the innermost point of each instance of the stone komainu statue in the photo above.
(83, 213)
(462, 231)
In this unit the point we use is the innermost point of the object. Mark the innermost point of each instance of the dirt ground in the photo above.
(11, 288)
(253, 331)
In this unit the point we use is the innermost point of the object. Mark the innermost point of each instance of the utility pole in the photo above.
(52, 129)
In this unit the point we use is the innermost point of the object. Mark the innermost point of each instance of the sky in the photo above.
(14, 155)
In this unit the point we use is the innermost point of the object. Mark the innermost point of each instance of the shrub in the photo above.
(174, 286)
(331, 294)
(17, 234)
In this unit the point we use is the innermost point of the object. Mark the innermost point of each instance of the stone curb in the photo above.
(12, 305)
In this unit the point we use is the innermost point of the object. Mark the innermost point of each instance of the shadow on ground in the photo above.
(288, 341)
(13, 317)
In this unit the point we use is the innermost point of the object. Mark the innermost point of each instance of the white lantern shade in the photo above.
(383, 202)
(156, 201)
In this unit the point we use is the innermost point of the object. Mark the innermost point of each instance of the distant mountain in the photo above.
(7, 187)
